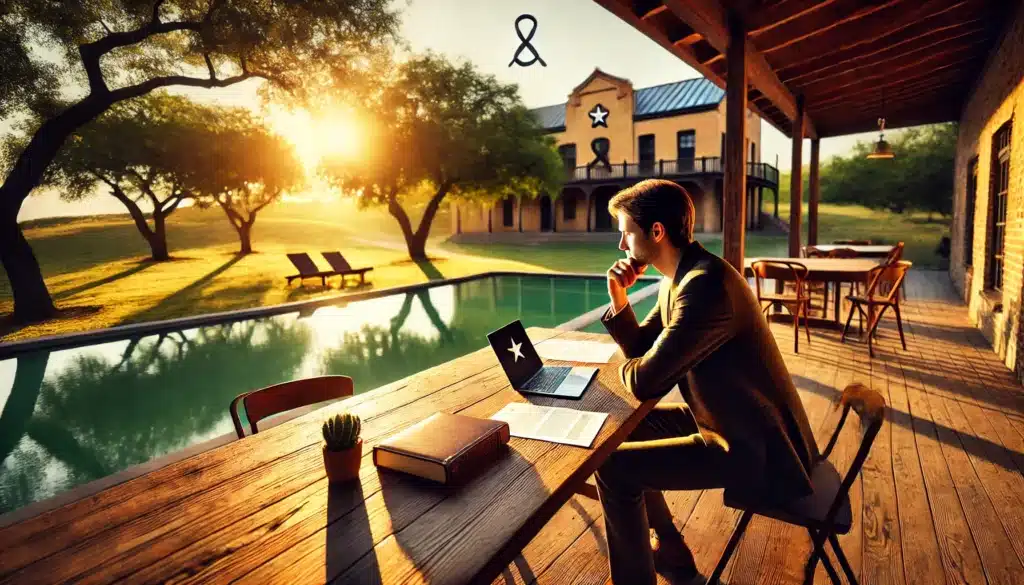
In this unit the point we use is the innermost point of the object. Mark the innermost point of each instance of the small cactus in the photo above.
(342, 431)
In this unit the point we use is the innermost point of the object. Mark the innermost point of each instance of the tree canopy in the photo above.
(919, 178)
(451, 130)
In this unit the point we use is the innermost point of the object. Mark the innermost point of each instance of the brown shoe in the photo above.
(672, 557)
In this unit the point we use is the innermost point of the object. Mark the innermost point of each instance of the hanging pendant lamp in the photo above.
(882, 148)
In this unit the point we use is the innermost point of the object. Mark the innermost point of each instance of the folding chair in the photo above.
(259, 404)
(825, 513)
(885, 277)
(784, 270)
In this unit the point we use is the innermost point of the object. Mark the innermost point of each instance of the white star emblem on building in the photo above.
(516, 351)
(598, 115)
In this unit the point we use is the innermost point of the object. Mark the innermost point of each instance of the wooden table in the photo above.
(835, 270)
(260, 510)
(874, 251)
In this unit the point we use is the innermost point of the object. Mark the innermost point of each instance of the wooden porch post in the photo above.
(519, 204)
(760, 202)
(589, 206)
(815, 195)
(796, 184)
(734, 197)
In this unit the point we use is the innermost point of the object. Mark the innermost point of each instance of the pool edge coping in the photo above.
(60, 341)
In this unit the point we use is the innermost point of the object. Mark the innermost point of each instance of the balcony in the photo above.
(758, 173)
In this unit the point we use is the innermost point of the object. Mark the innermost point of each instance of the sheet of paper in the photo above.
(552, 423)
(591, 352)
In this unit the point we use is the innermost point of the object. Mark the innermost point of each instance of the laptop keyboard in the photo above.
(547, 380)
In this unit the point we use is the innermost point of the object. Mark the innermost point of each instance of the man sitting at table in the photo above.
(742, 426)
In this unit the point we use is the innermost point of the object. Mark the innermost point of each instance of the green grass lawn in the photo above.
(98, 271)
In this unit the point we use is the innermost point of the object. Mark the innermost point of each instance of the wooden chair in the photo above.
(817, 288)
(888, 277)
(826, 512)
(845, 253)
(342, 267)
(259, 404)
(307, 269)
(784, 270)
(895, 255)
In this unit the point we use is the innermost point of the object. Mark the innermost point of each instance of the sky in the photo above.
(572, 37)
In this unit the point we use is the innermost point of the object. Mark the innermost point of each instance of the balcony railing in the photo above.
(669, 168)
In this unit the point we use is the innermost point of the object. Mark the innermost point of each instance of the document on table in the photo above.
(591, 352)
(552, 423)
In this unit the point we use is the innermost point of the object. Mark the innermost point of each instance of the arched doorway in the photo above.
(545, 213)
(603, 221)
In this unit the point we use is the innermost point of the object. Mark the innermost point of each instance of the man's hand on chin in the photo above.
(622, 275)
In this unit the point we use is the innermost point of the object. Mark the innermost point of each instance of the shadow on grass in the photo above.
(9, 326)
(139, 267)
(429, 269)
(191, 292)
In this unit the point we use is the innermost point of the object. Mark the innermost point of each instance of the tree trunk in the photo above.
(417, 245)
(158, 238)
(32, 300)
(245, 237)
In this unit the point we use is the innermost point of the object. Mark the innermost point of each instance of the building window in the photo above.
(646, 148)
(686, 147)
(972, 195)
(569, 206)
(507, 208)
(568, 154)
(997, 207)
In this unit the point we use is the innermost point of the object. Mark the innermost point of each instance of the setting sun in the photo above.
(338, 133)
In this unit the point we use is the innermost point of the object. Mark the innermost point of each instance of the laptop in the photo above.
(527, 373)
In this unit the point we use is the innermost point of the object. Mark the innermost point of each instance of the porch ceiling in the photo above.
(913, 61)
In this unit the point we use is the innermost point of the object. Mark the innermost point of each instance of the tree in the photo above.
(108, 52)
(242, 167)
(919, 178)
(139, 150)
(446, 130)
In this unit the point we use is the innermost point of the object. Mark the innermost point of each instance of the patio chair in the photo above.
(895, 255)
(342, 267)
(846, 253)
(797, 303)
(826, 512)
(307, 269)
(817, 288)
(889, 277)
(259, 404)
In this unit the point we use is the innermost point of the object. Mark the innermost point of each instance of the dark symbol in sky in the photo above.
(526, 43)
(601, 147)
(597, 116)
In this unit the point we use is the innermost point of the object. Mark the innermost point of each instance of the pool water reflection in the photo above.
(71, 416)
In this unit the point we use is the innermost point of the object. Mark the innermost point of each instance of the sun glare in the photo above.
(338, 133)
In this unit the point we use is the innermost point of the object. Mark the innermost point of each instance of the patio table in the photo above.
(260, 510)
(835, 270)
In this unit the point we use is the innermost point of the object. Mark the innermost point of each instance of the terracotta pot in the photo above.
(343, 466)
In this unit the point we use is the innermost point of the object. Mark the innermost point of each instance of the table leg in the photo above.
(838, 286)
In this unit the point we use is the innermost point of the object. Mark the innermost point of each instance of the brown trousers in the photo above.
(664, 452)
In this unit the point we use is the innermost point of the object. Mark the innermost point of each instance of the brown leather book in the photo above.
(446, 448)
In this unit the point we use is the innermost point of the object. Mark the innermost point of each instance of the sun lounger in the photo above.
(342, 267)
(307, 269)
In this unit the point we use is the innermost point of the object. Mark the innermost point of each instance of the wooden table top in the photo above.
(827, 269)
(260, 510)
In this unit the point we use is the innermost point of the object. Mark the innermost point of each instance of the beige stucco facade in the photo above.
(580, 205)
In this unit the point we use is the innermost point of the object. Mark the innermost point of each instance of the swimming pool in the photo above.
(74, 415)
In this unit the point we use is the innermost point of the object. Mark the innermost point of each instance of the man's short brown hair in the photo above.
(658, 200)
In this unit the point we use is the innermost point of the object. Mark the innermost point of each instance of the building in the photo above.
(610, 136)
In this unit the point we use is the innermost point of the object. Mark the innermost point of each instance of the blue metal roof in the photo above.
(651, 102)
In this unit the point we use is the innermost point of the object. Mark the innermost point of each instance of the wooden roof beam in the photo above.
(709, 18)
(940, 112)
(939, 24)
(897, 78)
(817, 21)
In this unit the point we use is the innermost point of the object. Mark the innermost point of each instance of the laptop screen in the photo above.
(515, 353)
